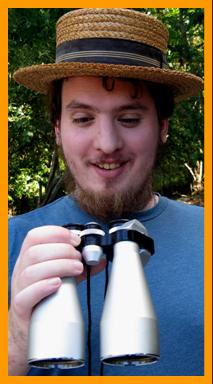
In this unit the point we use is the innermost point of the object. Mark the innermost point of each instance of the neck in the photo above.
(154, 199)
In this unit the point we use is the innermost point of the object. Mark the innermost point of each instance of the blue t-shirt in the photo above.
(174, 275)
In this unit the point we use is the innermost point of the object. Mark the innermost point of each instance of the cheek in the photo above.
(145, 143)
(75, 145)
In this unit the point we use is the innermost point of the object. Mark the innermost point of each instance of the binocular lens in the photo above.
(57, 363)
(134, 360)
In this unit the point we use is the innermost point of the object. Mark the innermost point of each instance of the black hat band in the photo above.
(110, 51)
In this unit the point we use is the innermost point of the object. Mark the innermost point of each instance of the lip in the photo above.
(110, 173)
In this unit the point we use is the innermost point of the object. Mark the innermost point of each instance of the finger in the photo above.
(26, 299)
(51, 251)
(49, 234)
(49, 269)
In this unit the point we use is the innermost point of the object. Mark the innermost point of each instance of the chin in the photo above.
(107, 191)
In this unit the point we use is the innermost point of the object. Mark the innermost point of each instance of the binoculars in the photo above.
(128, 327)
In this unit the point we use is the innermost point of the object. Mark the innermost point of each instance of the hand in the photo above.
(48, 253)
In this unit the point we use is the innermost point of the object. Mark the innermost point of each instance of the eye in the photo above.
(129, 121)
(82, 119)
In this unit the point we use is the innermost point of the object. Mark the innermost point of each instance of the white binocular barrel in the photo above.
(128, 328)
(56, 334)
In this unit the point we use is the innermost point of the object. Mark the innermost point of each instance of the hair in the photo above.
(162, 95)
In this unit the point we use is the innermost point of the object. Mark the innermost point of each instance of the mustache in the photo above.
(109, 159)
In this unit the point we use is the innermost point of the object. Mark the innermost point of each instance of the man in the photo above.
(112, 94)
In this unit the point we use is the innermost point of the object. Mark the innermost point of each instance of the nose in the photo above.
(108, 137)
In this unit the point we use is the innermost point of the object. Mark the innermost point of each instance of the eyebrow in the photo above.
(134, 106)
(74, 104)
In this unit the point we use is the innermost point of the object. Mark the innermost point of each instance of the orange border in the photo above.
(4, 5)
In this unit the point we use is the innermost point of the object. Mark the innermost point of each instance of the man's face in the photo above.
(109, 139)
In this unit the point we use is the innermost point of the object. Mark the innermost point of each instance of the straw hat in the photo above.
(115, 42)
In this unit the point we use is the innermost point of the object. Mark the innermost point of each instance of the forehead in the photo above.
(93, 89)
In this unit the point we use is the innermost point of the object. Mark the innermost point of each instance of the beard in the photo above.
(113, 205)
(109, 206)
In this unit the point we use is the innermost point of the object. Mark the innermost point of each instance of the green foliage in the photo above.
(31, 141)
(185, 142)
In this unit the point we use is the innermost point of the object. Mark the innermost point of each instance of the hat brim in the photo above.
(39, 77)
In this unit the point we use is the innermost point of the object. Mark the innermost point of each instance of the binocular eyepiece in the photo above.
(128, 326)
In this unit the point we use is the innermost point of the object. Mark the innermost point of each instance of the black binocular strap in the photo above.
(89, 332)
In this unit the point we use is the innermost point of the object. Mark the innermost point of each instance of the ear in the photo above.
(164, 127)
(58, 133)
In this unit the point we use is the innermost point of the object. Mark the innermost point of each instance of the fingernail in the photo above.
(75, 238)
(54, 281)
(78, 266)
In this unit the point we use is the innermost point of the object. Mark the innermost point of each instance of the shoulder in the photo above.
(183, 223)
(42, 215)
(60, 212)
(177, 220)
(184, 211)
